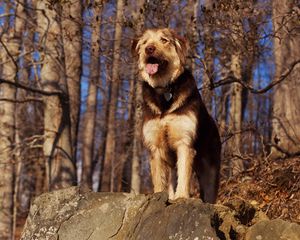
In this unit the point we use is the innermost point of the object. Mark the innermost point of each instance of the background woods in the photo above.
(70, 96)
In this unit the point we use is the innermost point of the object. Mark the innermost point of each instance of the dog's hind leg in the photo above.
(208, 176)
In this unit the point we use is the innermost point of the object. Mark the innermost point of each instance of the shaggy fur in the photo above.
(177, 129)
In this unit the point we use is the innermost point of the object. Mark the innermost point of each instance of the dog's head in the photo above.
(161, 56)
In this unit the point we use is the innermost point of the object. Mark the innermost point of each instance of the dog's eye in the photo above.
(164, 40)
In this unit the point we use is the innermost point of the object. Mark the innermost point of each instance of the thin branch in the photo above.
(284, 151)
(229, 135)
(26, 100)
(232, 79)
(6, 15)
(20, 56)
(9, 54)
(34, 90)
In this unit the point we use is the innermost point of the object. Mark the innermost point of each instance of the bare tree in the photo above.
(89, 127)
(192, 30)
(138, 115)
(110, 146)
(235, 109)
(20, 24)
(57, 133)
(208, 77)
(9, 50)
(286, 110)
(72, 43)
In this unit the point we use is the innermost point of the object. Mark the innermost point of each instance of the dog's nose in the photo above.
(150, 49)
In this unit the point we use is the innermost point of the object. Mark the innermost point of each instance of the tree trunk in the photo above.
(137, 140)
(89, 125)
(19, 159)
(192, 31)
(103, 125)
(110, 146)
(57, 146)
(286, 110)
(9, 52)
(249, 59)
(235, 110)
(223, 101)
(7, 133)
(72, 42)
(138, 114)
(208, 75)
(127, 166)
(7, 121)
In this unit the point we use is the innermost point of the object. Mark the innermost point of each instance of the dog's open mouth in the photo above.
(153, 65)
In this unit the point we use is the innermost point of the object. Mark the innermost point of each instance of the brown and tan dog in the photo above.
(177, 128)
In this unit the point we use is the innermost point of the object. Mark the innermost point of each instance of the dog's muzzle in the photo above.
(155, 64)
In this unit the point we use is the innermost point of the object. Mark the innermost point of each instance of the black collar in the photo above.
(167, 92)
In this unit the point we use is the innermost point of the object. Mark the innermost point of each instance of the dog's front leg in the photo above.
(185, 156)
(172, 182)
(159, 171)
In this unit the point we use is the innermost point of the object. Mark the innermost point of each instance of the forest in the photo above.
(71, 97)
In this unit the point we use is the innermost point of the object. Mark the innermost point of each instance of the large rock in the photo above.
(71, 214)
(274, 229)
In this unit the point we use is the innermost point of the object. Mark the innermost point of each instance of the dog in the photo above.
(177, 129)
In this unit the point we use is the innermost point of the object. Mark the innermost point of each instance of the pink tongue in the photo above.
(151, 68)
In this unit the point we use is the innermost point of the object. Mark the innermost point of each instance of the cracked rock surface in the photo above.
(72, 214)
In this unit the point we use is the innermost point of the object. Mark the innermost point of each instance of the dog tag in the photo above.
(168, 96)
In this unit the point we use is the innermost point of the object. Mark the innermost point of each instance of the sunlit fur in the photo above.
(178, 132)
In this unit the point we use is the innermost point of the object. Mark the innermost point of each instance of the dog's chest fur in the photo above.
(171, 130)
(168, 123)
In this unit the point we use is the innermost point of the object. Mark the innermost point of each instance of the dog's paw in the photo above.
(178, 198)
(175, 200)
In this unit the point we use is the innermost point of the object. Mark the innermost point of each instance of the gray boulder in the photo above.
(73, 214)
(273, 229)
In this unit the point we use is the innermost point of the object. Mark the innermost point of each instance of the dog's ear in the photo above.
(134, 49)
(181, 45)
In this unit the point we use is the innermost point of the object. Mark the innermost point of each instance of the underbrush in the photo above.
(272, 186)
